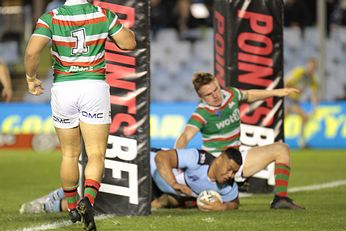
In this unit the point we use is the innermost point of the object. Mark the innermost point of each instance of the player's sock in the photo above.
(56, 195)
(52, 206)
(72, 197)
(91, 189)
(282, 174)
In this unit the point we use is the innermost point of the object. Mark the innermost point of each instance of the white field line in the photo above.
(332, 184)
(56, 225)
(314, 187)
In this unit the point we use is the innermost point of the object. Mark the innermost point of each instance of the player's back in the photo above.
(78, 33)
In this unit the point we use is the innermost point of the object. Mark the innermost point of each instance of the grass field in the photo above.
(26, 175)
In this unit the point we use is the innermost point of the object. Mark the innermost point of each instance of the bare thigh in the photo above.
(70, 141)
(95, 138)
(259, 157)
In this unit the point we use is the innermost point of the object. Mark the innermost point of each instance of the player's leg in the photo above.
(94, 121)
(51, 203)
(95, 138)
(64, 103)
(259, 157)
(305, 118)
(70, 142)
(94, 124)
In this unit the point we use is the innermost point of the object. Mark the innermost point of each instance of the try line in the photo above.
(55, 225)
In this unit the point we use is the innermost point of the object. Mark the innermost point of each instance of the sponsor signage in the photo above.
(126, 185)
(326, 128)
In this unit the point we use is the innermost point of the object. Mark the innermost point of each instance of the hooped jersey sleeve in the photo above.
(114, 24)
(237, 93)
(43, 26)
(198, 119)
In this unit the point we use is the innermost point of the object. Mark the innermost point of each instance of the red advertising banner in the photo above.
(125, 188)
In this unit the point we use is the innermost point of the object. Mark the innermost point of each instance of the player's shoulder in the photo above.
(232, 90)
(204, 157)
(47, 15)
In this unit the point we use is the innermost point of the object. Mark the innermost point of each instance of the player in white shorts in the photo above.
(80, 102)
(89, 104)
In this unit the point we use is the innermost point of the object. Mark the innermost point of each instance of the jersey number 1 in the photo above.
(81, 47)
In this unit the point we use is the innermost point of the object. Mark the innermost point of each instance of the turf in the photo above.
(26, 175)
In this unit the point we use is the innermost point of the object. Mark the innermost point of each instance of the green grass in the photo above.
(26, 175)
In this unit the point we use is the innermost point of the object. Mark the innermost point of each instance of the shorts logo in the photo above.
(92, 115)
(61, 120)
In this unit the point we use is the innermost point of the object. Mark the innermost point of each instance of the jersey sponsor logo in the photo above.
(79, 69)
(205, 158)
(92, 115)
(61, 120)
(193, 178)
(202, 158)
(233, 118)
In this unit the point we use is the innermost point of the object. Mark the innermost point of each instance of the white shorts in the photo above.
(82, 100)
(238, 177)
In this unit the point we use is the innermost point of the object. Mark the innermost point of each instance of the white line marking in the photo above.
(314, 187)
(56, 225)
(332, 184)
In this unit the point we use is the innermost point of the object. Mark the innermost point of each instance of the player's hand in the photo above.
(35, 86)
(7, 94)
(211, 206)
(286, 91)
(180, 188)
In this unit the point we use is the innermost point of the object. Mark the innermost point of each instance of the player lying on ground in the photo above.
(184, 173)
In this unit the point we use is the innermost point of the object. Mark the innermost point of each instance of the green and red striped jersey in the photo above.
(78, 33)
(220, 127)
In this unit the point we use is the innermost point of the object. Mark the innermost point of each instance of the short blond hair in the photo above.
(200, 79)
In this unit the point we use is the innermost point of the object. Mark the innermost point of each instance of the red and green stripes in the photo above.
(91, 189)
(282, 174)
(72, 196)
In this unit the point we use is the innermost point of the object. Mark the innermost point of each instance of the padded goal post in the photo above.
(126, 184)
(248, 54)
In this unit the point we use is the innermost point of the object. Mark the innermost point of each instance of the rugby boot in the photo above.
(284, 203)
(87, 211)
(74, 215)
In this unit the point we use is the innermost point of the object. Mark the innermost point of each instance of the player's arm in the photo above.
(125, 39)
(31, 61)
(219, 206)
(255, 95)
(5, 80)
(185, 137)
(165, 161)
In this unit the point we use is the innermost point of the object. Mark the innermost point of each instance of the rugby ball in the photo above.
(208, 196)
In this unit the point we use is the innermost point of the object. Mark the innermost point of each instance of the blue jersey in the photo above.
(195, 165)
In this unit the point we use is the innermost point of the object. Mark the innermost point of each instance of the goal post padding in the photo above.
(126, 185)
(248, 54)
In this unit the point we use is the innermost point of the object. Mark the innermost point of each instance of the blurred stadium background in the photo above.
(181, 38)
(181, 45)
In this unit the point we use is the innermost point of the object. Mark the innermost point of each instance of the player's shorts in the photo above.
(83, 100)
(238, 177)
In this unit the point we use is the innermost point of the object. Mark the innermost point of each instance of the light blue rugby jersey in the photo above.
(195, 164)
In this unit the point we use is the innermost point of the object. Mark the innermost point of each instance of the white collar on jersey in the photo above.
(75, 2)
(225, 97)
